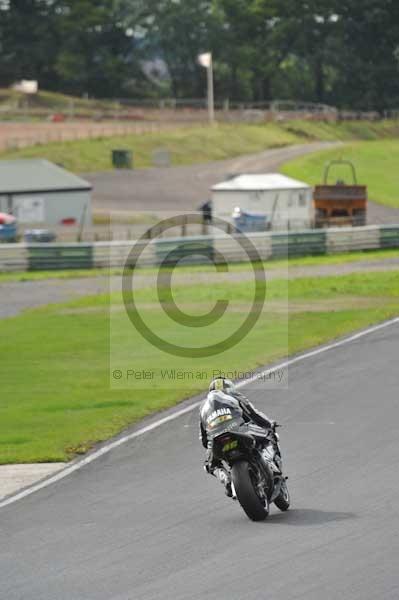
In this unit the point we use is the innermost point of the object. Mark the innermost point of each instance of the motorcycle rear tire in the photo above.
(254, 507)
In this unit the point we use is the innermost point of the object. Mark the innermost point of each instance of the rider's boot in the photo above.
(225, 479)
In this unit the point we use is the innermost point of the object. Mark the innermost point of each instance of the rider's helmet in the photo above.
(221, 384)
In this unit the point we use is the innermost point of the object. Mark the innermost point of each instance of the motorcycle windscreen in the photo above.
(220, 412)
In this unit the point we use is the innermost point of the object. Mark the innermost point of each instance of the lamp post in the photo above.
(205, 60)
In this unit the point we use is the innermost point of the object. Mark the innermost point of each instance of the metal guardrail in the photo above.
(269, 245)
(13, 257)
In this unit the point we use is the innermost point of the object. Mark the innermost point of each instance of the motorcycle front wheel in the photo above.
(245, 485)
(283, 499)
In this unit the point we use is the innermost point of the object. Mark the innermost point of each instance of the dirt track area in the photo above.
(19, 296)
(159, 190)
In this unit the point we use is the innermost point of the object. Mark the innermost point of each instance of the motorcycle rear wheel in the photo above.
(244, 480)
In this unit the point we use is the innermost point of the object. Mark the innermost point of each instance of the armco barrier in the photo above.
(346, 239)
(23, 257)
(116, 254)
(13, 257)
(234, 252)
(389, 236)
(194, 250)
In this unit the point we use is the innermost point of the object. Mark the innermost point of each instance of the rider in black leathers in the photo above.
(250, 415)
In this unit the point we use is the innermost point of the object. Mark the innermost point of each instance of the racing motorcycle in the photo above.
(252, 457)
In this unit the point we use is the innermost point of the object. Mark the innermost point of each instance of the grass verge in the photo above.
(343, 131)
(56, 400)
(187, 146)
(201, 144)
(375, 162)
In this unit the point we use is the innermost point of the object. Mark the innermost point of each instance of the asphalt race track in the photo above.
(144, 522)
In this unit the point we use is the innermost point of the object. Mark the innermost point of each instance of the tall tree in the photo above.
(247, 47)
(95, 53)
(180, 30)
(368, 70)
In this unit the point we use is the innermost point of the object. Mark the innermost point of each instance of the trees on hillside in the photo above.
(368, 74)
(178, 31)
(28, 37)
(344, 53)
(95, 52)
(79, 46)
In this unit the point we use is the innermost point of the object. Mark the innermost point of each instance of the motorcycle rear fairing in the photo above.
(248, 452)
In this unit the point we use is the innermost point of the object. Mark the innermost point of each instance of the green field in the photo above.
(56, 399)
(201, 144)
(187, 146)
(375, 162)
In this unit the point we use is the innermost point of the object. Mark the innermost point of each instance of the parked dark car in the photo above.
(39, 236)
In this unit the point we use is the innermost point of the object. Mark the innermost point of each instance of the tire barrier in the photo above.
(45, 257)
(298, 243)
(269, 245)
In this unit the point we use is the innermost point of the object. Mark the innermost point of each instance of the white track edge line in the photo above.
(178, 413)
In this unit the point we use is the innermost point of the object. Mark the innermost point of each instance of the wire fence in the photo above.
(14, 136)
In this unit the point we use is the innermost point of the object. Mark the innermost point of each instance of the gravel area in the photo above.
(158, 190)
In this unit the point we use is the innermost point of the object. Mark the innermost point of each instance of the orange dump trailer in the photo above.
(340, 204)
